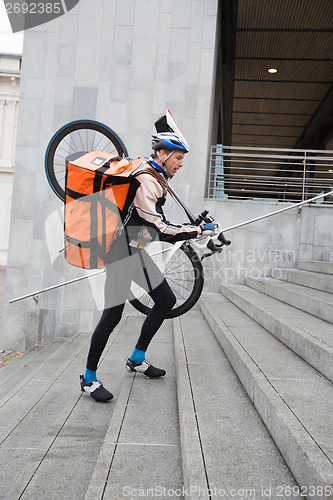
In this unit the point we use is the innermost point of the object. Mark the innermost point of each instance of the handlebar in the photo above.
(211, 244)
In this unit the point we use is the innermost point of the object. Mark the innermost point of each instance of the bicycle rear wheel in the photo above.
(78, 136)
(184, 273)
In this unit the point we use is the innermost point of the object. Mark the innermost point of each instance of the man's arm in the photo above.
(148, 204)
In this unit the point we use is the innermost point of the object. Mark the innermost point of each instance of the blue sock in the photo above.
(138, 356)
(89, 376)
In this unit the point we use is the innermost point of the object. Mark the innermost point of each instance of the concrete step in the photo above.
(32, 413)
(226, 449)
(63, 465)
(315, 302)
(294, 401)
(27, 363)
(316, 266)
(22, 399)
(62, 434)
(309, 337)
(310, 279)
(141, 449)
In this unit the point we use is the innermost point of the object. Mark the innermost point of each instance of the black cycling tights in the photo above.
(164, 300)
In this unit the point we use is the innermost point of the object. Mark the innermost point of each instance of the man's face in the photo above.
(174, 163)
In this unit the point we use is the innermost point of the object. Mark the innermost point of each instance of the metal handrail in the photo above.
(295, 205)
(274, 173)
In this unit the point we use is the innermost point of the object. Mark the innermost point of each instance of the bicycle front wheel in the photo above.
(183, 272)
(78, 136)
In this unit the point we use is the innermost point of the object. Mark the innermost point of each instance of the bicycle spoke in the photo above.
(180, 285)
(64, 150)
(75, 149)
(79, 133)
(171, 272)
(95, 147)
(173, 262)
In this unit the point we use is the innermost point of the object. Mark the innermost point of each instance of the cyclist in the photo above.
(130, 262)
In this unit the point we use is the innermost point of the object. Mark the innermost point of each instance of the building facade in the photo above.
(10, 77)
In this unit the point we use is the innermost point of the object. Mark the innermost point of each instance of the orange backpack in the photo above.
(99, 190)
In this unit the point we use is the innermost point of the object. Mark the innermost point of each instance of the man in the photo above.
(130, 262)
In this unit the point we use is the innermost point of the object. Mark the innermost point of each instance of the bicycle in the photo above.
(180, 262)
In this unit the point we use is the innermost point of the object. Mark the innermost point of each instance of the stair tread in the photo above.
(298, 289)
(16, 369)
(22, 398)
(248, 461)
(317, 328)
(307, 394)
(313, 280)
(57, 426)
(147, 444)
(28, 415)
(327, 267)
(71, 449)
(306, 273)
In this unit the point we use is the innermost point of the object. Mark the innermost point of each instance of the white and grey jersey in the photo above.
(148, 212)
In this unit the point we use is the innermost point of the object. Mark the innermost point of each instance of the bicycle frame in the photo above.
(200, 244)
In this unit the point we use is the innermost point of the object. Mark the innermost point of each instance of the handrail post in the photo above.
(304, 174)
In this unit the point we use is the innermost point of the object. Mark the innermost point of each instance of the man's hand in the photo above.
(206, 229)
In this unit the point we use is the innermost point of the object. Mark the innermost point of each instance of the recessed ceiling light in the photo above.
(272, 70)
(330, 170)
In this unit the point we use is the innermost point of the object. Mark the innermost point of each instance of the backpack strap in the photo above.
(160, 179)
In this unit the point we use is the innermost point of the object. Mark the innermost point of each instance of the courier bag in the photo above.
(99, 190)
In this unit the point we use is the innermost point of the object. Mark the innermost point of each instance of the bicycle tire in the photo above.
(79, 135)
(187, 287)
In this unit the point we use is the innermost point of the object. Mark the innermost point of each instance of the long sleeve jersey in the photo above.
(147, 219)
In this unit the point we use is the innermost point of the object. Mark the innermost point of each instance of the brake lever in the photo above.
(223, 240)
(204, 217)
(213, 249)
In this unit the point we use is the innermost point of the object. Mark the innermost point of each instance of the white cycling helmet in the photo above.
(169, 140)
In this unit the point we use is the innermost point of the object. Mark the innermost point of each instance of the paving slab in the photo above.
(294, 401)
(238, 454)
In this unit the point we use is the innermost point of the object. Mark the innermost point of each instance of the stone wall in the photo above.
(281, 240)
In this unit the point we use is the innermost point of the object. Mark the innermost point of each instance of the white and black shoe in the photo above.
(145, 367)
(96, 390)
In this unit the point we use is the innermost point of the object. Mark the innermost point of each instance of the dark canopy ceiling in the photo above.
(292, 107)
